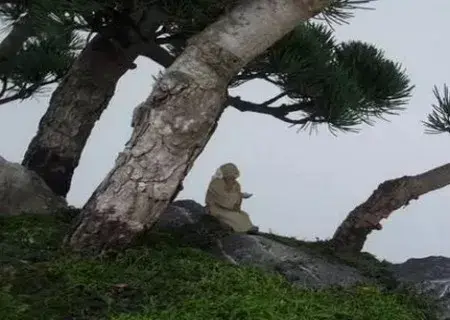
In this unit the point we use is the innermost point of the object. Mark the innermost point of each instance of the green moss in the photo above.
(161, 283)
(30, 237)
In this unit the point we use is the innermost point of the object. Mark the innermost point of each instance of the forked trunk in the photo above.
(174, 124)
(391, 195)
(75, 106)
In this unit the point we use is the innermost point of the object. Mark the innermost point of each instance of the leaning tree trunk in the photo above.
(176, 121)
(83, 95)
(388, 197)
(75, 106)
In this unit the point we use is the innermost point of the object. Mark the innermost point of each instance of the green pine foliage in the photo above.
(39, 280)
(44, 60)
(45, 57)
(342, 85)
(439, 119)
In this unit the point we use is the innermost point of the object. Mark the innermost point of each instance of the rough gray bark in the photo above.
(177, 120)
(81, 98)
(75, 106)
(390, 195)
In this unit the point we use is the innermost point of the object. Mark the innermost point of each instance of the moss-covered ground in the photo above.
(39, 280)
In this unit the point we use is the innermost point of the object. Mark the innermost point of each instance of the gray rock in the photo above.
(189, 222)
(431, 276)
(422, 269)
(23, 191)
(301, 268)
(194, 209)
(180, 214)
(188, 219)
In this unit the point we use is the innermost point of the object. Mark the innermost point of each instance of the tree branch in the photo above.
(161, 56)
(156, 53)
(271, 81)
(27, 92)
(278, 112)
(145, 30)
(4, 86)
(275, 99)
(391, 195)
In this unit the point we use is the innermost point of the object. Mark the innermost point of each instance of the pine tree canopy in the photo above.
(340, 84)
(40, 47)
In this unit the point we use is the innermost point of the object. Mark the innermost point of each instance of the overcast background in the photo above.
(304, 185)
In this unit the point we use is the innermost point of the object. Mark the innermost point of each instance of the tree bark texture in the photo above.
(83, 95)
(75, 106)
(390, 195)
(174, 124)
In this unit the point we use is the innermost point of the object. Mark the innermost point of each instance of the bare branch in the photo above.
(271, 81)
(278, 112)
(4, 86)
(388, 197)
(157, 54)
(275, 99)
(27, 92)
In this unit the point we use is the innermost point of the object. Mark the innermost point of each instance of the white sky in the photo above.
(304, 185)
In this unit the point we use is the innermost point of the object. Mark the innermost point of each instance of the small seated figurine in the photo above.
(224, 199)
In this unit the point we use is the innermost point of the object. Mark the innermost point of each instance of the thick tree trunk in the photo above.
(83, 95)
(75, 106)
(174, 124)
(388, 197)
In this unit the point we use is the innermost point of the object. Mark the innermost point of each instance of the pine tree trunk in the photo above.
(174, 124)
(391, 195)
(75, 106)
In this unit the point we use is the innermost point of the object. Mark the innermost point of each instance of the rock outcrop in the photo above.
(189, 222)
(188, 219)
(430, 276)
(22, 190)
(301, 268)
